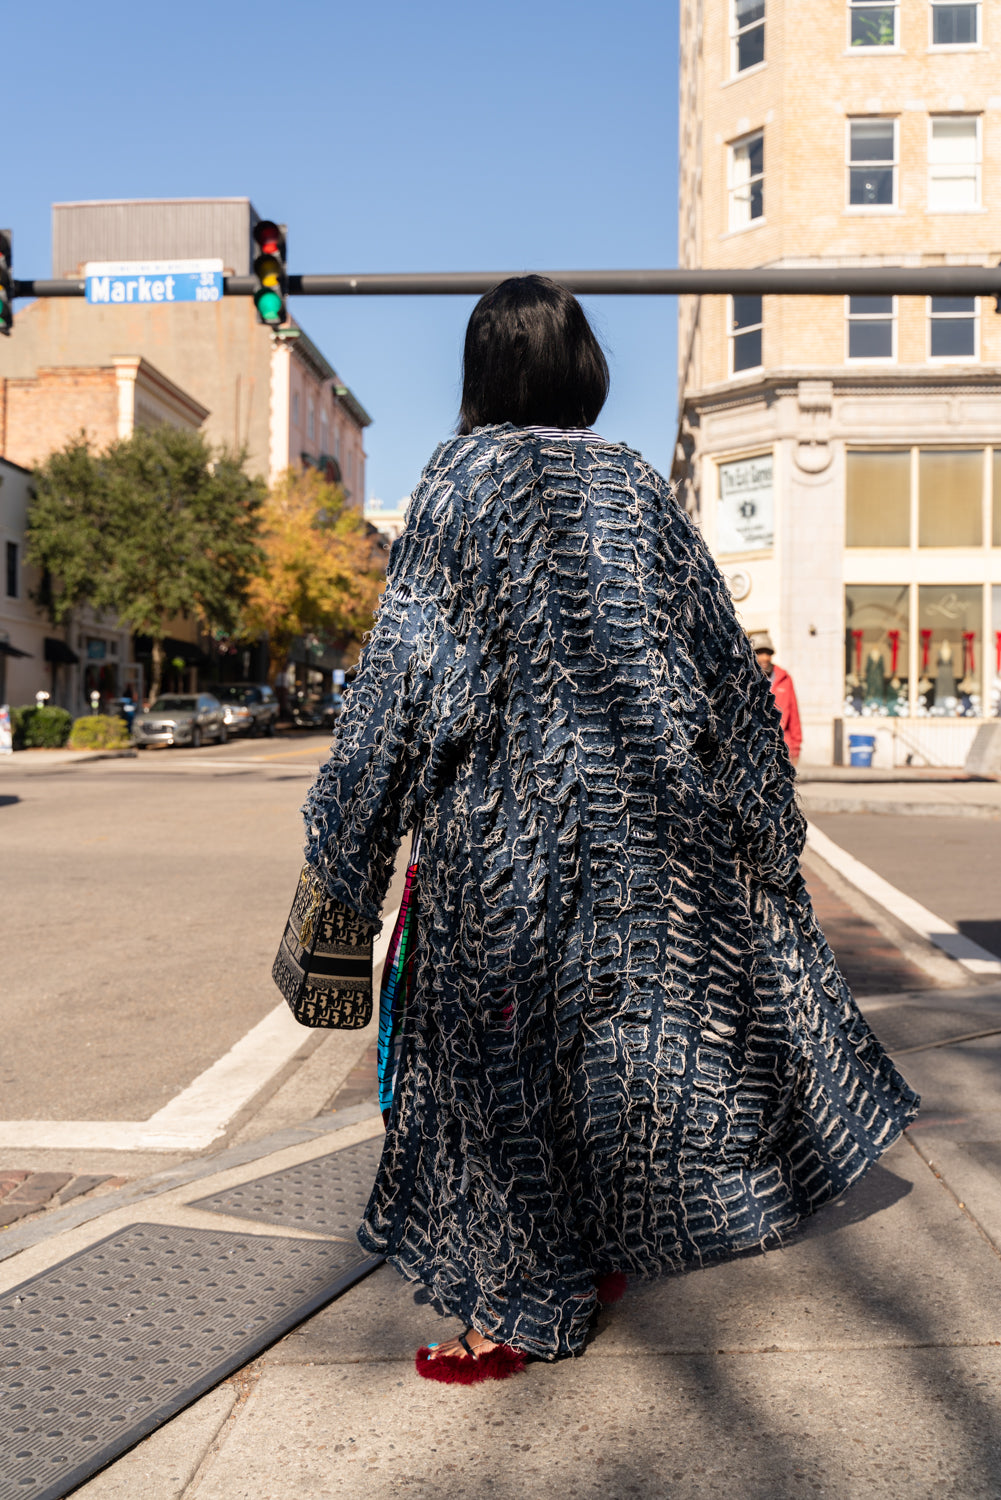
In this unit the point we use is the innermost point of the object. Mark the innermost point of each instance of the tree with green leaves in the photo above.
(321, 574)
(158, 525)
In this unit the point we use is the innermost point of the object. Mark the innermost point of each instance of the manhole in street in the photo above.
(908, 1028)
(328, 1195)
(107, 1346)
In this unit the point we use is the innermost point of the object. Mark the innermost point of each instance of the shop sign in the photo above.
(745, 515)
(6, 738)
(96, 650)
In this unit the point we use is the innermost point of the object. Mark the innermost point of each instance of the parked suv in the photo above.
(180, 719)
(250, 707)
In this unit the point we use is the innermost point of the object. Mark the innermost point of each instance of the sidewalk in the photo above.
(925, 793)
(862, 1360)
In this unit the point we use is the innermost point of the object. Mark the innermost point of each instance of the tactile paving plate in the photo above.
(909, 1028)
(327, 1195)
(102, 1349)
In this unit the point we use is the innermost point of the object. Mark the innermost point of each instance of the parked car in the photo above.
(180, 719)
(329, 707)
(305, 712)
(251, 707)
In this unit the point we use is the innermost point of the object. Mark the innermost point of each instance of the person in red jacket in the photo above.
(782, 690)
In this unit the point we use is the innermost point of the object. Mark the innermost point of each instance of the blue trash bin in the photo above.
(860, 749)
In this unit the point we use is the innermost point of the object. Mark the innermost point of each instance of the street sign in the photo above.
(129, 282)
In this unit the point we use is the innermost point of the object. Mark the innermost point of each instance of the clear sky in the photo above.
(524, 135)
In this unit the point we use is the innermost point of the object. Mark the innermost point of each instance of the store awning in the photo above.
(59, 654)
(191, 654)
(6, 649)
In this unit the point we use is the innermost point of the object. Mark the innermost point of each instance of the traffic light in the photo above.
(269, 268)
(6, 284)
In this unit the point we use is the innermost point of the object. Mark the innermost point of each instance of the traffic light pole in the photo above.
(810, 281)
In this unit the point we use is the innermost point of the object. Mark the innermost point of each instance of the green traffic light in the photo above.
(270, 306)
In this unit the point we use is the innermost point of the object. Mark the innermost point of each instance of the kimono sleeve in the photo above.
(408, 709)
(742, 749)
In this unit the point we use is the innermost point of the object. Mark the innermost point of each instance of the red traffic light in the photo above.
(269, 237)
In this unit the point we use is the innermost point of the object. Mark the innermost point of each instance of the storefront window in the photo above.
(950, 662)
(878, 499)
(950, 490)
(876, 649)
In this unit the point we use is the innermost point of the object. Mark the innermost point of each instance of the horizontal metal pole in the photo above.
(813, 281)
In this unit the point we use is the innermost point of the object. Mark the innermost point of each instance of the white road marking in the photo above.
(199, 1114)
(915, 916)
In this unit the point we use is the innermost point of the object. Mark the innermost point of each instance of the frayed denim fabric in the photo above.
(627, 1046)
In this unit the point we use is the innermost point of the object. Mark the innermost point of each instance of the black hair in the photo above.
(531, 358)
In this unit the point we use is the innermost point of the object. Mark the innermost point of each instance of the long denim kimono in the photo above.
(627, 1045)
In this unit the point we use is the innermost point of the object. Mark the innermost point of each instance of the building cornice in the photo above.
(782, 383)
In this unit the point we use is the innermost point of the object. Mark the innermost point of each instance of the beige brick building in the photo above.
(844, 454)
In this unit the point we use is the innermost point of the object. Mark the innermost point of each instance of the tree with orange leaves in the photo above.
(320, 575)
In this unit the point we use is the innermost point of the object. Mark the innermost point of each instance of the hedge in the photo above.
(45, 728)
(99, 732)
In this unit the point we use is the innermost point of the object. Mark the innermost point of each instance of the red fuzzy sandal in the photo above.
(469, 1368)
(611, 1287)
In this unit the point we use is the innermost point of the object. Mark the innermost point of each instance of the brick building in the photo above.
(273, 394)
(106, 368)
(44, 411)
(842, 454)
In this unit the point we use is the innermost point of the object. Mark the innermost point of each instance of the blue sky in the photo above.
(444, 136)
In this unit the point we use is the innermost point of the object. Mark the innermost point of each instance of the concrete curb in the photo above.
(821, 805)
(47, 760)
(54, 1223)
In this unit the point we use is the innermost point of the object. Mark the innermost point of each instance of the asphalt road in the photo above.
(143, 902)
(951, 865)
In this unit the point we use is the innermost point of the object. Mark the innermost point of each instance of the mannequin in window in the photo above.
(945, 677)
(875, 677)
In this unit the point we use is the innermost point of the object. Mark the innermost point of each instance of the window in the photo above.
(996, 507)
(310, 419)
(12, 571)
(950, 658)
(747, 34)
(950, 497)
(954, 25)
(295, 409)
(872, 163)
(745, 333)
(952, 327)
(871, 324)
(872, 25)
(877, 620)
(747, 180)
(954, 163)
(878, 498)
(323, 431)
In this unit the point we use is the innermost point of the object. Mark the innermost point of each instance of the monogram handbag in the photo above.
(324, 962)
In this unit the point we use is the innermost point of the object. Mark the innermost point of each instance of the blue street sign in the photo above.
(120, 283)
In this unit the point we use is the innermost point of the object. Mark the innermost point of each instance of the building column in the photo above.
(812, 546)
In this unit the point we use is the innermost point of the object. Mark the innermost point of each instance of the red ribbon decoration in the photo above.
(926, 636)
(857, 638)
(893, 636)
(969, 665)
